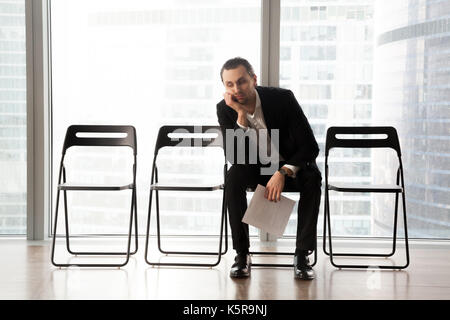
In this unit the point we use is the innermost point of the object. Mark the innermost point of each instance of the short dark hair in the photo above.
(236, 62)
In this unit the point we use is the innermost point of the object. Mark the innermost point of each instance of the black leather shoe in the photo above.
(302, 268)
(241, 267)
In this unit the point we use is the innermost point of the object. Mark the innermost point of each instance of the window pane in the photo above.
(147, 64)
(332, 80)
(13, 119)
(343, 73)
(412, 93)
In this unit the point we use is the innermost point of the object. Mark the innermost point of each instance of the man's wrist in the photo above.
(283, 172)
(242, 112)
(288, 171)
(242, 118)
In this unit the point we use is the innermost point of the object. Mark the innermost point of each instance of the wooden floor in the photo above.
(26, 273)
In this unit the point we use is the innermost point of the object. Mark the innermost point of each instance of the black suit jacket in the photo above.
(281, 111)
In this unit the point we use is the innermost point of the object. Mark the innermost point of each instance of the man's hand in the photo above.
(239, 108)
(274, 187)
(235, 105)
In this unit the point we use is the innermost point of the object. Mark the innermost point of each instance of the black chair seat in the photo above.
(353, 187)
(93, 187)
(286, 189)
(186, 186)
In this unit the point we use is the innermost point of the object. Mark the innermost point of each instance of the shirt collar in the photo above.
(257, 105)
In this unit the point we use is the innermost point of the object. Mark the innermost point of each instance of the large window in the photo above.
(145, 63)
(326, 59)
(376, 63)
(149, 63)
(13, 130)
(412, 93)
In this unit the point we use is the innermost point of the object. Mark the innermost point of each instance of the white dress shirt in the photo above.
(256, 121)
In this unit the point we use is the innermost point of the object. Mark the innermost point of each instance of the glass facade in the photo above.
(376, 63)
(326, 59)
(13, 118)
(149, 63)
(412, 93)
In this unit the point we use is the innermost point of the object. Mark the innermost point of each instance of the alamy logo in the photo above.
(261, 146)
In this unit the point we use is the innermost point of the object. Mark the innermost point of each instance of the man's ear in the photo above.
(255, 79)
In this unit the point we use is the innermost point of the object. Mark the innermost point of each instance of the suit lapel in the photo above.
(267, 108)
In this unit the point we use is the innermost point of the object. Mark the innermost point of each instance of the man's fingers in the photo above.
(277, 195)
(227, 97)
(269, 194)
(273, 195)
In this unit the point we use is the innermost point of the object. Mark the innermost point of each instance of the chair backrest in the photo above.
(189, 136)
(74, 136)
(391, 140)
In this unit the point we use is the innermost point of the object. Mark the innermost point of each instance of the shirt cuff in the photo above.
(242, 127)
(293, 168)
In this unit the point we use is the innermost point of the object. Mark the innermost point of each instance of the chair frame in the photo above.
(392, 142)
(71, 139)
(164, 140)
(278, 265)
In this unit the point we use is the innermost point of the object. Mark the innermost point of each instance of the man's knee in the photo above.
(312, 178)
(237, 176)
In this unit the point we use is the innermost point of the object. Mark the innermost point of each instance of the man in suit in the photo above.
(245, 107)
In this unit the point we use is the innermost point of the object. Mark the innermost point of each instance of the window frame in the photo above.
(39, 136)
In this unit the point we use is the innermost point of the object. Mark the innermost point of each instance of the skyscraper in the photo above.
(412, 93)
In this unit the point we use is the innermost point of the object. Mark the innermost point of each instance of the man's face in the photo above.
(239, 84)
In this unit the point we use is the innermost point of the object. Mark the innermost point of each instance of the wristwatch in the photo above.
(283, 172)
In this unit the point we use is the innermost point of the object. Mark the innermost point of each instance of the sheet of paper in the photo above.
(269, 216)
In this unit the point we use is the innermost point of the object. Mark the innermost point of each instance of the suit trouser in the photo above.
(308, 181)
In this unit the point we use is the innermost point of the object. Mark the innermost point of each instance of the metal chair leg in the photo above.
(66, 214)
(54, 229)
(158, 235)
(405, 224)
(219, 253)
(133, 214)
(384, 255)
(158, 227)
(275, 265)
(358, 266)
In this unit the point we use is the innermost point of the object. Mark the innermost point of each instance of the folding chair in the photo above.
(274, 253)
(73, 138)
(392, 141)
(188, 141)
